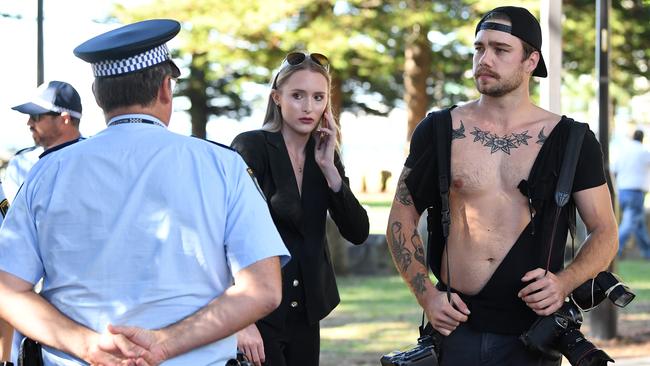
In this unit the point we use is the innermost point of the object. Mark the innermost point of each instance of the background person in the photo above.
(299, 169)
(191, 251)
(503, 150)
(54, 115)
(632, 172)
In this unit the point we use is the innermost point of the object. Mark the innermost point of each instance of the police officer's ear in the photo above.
(166, 92)
(66, 118)
(95, 95)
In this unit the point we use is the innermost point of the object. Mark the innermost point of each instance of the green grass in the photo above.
(379, 314)
(376, 313)
(380, 204)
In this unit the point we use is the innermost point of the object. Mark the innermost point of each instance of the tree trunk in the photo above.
(337, 245)
(196, 92)
(337, 99)
(417, 68)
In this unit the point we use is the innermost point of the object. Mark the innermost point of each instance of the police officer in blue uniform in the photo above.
(54, 114)
(159, 249)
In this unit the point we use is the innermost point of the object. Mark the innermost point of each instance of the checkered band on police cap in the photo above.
(130, 48)
(137, 62)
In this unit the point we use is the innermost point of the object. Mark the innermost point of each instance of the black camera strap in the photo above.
(565, 180)
(443, 146)
(442, 142)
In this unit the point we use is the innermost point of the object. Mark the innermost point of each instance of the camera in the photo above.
(606, 285)
(559, 333)
(425, 353)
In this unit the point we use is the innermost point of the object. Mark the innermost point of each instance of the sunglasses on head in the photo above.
(297, 58)
(37, 117)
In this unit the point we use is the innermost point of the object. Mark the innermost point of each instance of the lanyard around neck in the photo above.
(135, 120)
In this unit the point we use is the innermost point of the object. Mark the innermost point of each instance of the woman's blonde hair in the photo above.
(273, 117)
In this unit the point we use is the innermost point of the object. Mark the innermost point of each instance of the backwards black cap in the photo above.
(524, 26)
(130, 48)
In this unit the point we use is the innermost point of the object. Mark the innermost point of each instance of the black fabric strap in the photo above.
(443, 146)
(495, 26)
(442, 142)
(568, 169)
(565, 180)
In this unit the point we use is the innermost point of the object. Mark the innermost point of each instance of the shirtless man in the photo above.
(505, 155)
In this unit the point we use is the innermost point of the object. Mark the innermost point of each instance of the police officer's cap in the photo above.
(55, 96)
(130, 48)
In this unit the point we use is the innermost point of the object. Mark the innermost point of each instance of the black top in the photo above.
(497, 308)
(301, 219)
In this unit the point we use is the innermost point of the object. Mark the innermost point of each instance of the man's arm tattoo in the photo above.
(417, 283)
(403, 195)
(401, 254)
(417, 244)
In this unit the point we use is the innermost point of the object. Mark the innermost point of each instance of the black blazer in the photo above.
(308, 279)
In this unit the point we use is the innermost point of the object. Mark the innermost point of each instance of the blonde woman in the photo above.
(296, 162)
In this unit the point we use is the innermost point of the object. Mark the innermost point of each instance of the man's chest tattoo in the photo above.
(496, 143)
(541, 138)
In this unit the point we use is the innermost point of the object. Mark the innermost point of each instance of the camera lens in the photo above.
(579, 351)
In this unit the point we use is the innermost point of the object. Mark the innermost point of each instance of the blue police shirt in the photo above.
(138, 226)
(18, 168)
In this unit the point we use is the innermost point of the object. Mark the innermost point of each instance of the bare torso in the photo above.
(488, 213)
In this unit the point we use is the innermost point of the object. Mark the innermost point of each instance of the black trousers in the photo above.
(467, 347)
(298, 344)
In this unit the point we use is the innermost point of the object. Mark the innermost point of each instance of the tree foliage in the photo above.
(629, 38)
(229, 45)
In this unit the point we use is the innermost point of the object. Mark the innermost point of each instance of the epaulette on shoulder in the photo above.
(26, 150)
(216, 143)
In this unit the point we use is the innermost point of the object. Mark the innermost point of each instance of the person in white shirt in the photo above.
(632, 171)
(153, 247)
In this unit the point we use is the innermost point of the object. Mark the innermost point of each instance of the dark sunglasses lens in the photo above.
(34, 117)
(295, 58)
(320, 59)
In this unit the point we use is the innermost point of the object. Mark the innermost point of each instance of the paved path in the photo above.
(637, 361)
